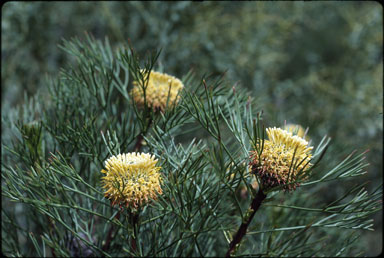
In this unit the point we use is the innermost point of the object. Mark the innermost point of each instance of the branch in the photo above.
(140, 137)
(243, 228)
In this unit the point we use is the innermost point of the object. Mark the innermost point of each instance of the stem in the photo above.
(256, 202)
(139, 141)
(140, 137)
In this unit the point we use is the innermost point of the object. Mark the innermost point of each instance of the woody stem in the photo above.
(255, 205)
(140, 137)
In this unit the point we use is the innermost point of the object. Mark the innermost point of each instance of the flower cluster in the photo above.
(131, 179)
(283, 157)
(160, 90)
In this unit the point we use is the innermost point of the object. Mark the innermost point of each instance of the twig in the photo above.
(140, 137)
(256, 202)
(139, 142)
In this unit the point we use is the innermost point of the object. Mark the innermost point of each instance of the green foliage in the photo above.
(53, 203)
(329, 67)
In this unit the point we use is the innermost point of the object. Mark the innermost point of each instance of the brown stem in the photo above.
(140, 137)
(139, 142)
(256, 202)
(109, 237)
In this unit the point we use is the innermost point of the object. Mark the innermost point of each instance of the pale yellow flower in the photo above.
(283, 156)
(160, 89)
(131, 179)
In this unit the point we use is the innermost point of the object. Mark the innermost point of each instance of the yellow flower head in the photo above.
(282, 158)
(161, 88)
(131, 179)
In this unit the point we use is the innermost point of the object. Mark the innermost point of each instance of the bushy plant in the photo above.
(213, 182)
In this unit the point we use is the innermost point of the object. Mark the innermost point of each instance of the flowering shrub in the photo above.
(173, 160)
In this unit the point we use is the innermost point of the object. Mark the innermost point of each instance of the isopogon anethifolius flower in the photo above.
(161, 90)
(131, 179)
(283, 157)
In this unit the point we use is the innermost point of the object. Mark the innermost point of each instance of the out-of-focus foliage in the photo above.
(318, 64)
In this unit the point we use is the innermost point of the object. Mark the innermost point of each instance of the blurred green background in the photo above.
(318, 64)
